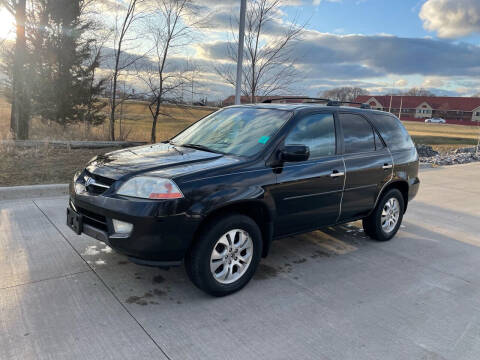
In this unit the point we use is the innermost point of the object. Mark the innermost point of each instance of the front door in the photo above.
(308, 194)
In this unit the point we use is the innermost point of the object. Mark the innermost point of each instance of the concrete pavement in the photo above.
(331, 294)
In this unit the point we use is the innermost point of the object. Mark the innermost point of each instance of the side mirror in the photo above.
(295, 153)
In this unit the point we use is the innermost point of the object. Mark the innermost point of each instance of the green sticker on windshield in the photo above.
(264, 139)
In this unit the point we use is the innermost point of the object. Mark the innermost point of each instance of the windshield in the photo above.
(237, 131)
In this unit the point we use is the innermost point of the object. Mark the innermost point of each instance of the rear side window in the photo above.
(393, 132)
(358, 134)
(316, 131)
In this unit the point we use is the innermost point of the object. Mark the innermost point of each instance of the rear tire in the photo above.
(225, 255)
(385, 220)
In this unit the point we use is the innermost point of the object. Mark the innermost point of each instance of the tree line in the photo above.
(68, 64)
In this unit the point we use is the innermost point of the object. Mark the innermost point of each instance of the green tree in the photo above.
(62, 63)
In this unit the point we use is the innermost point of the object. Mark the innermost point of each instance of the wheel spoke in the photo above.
(215, 265)
(245, 258)
(228, 266)
(218, 256)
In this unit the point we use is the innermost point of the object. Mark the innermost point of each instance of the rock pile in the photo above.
(426, 151)
(458, 156)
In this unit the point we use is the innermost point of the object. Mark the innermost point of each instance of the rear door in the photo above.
(368, 165)
(307, 194)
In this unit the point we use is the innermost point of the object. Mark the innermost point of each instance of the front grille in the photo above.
(98, 184)
(96, 220)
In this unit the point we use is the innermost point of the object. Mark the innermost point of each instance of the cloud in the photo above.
(433, 82)
(451, 18)
(360, 56)
(318, 2)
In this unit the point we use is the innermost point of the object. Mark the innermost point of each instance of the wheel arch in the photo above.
(257, 210)
(401, 185)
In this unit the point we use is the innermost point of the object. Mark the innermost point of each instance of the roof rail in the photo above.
(338, 103)
(328, 101)
(269, 101)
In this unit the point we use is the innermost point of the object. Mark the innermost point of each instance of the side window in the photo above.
(316, 131)
(358, 134)
(393, 132)
(378, 143)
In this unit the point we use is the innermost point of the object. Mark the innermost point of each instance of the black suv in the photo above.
(218, 193)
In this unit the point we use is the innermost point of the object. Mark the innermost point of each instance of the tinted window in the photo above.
(357, 133)
(239, 130)
(378, 142)
(317, 132)
(393, 132)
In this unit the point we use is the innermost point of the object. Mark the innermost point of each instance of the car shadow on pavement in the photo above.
(140, 285)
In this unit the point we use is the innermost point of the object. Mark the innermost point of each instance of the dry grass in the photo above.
(134, 123)
(439, 130)
(47, 165)
(43, 165)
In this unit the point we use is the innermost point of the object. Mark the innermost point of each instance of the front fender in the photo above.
(229, 196)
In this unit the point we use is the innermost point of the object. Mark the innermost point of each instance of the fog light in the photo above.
(121, 227)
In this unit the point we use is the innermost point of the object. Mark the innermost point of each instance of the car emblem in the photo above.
(89, 181)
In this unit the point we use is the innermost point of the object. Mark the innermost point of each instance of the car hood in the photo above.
(147, 158)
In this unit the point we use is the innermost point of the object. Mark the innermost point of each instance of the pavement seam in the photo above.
(46, 279)
(103, 282)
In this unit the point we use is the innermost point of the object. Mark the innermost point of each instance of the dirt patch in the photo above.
(158, 279)
(142, 300)
(320, 253)
(299, 261)
(44, 165)
(265, 272)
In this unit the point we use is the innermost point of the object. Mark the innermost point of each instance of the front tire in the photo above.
(383, 223)
(225, 255)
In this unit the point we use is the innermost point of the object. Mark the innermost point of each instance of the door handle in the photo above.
(387, 166)
(337, 173)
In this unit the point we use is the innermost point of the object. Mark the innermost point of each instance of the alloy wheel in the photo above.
(231, 256)
(390, 215)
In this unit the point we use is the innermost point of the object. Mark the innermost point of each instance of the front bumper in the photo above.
(156, 239)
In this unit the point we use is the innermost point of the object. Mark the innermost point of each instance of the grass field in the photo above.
(440, 134)
(134, 123)
(47, 165)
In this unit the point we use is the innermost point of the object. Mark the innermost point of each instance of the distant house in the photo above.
(424, 107)
(258, 99)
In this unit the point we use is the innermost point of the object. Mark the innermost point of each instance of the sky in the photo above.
(380, 45)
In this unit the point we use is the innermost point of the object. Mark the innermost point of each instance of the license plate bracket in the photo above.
(74, 221)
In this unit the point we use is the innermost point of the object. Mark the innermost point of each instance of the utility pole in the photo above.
(241, 38)
(401, 105)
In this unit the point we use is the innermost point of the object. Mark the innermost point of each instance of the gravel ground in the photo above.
(459, 156)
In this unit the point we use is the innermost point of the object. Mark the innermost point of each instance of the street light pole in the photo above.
(241, 37)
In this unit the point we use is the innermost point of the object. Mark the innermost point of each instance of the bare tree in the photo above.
(419, 92)
(344, 93)
(169, 31)
(20, 114)
(124, 23)
(269, 56)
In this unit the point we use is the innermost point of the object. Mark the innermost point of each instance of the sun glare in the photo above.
(7, 25)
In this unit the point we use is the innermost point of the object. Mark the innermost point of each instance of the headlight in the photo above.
(150, 188)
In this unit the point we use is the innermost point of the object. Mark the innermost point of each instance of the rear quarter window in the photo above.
(393, 132)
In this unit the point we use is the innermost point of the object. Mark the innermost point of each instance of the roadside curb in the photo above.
(32, 191)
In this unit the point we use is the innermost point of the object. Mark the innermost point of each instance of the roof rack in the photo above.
(338, 103)
(269, 101)
(313, 100)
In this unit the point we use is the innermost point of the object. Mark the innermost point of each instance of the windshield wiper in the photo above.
(201, 147)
